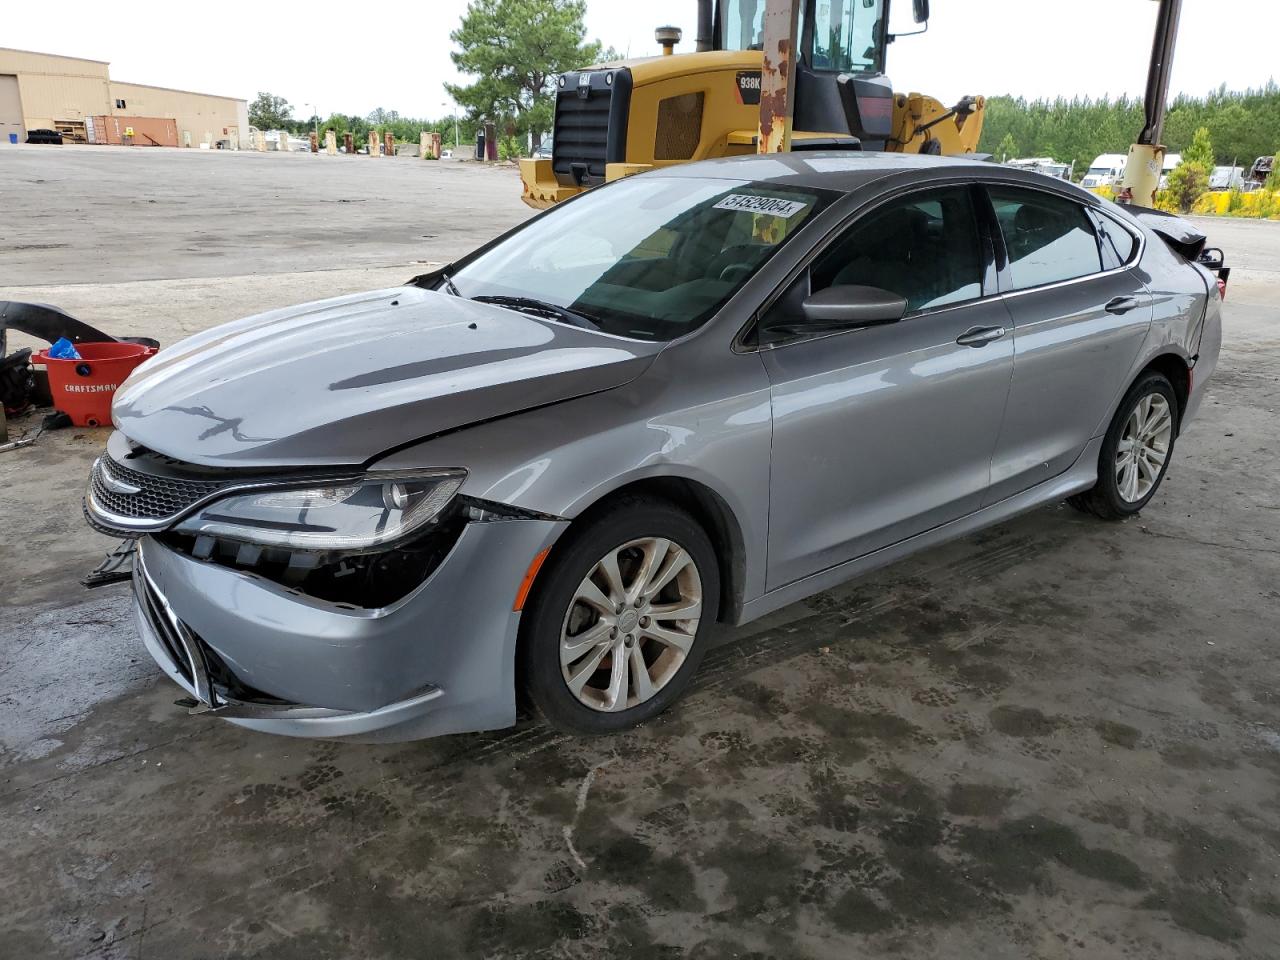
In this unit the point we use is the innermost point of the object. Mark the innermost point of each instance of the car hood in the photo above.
(340, 381)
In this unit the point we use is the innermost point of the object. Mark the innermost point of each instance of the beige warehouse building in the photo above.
(79, 99)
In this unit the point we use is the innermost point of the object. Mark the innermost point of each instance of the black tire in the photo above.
(1103, 499)
(619, 522)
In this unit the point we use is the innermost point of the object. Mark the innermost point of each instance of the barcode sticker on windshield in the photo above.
(753, 204)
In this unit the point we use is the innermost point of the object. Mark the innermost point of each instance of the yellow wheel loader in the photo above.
(616, 119)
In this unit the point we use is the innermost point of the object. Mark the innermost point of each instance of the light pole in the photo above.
(315, 118)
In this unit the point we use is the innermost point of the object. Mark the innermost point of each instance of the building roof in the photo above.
(193, 93)
(59, 56)
(128, 83)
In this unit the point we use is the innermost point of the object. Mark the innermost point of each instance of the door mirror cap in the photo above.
(847, 305)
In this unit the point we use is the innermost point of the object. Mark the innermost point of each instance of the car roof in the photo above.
(845, 171)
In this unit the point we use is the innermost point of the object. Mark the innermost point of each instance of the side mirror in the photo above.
(846, 306)
(920, 10)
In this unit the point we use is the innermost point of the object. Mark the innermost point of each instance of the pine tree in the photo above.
(514, 49)
(1201, 150)
(1242, 125)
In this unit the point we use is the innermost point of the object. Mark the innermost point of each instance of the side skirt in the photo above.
(1081, 476)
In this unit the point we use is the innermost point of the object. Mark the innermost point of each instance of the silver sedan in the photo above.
(690, 396)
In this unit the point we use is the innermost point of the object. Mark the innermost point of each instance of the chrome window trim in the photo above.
(1065, 283)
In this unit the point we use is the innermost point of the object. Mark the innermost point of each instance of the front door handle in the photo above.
(980, 336)
(1121, 305)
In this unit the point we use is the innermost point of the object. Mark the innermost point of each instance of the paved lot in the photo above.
(1056, 739)
(103, 214)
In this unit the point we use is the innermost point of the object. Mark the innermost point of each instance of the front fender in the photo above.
(561, 459)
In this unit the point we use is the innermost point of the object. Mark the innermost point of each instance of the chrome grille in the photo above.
(156, 497)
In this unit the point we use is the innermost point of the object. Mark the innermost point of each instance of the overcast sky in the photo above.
(354, 57)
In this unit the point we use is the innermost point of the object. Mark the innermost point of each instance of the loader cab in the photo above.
(623, 117)
(841, 90)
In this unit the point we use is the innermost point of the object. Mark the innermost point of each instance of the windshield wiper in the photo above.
(449, 284)
(541, 308)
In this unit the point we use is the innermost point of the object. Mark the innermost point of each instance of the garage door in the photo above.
(10, 109)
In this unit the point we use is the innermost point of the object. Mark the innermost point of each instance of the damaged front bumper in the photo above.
(261, 655)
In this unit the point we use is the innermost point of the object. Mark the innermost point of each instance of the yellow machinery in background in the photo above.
(617, 119)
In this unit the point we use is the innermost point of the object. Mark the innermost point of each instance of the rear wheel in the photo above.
(1135, 451)
(618, 623)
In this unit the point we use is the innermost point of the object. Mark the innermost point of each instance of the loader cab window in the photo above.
(846, 35)
(742, 25)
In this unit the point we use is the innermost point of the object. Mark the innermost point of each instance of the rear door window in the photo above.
(1048, 238)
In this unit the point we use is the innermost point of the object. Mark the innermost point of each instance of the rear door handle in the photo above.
(1121, 305)
(980, 336)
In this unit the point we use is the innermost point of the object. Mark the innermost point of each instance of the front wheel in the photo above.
(1135, 451)
(618, 622)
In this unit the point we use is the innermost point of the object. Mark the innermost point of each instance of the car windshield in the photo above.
(651, 258)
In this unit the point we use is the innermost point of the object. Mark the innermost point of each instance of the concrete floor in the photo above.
(1056, 739)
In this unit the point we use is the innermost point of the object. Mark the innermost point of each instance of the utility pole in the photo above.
(1146, 157)
(455, 124)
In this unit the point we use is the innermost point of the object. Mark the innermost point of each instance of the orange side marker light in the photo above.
(527, 583)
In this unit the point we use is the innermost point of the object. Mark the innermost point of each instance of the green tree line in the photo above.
(1242, 125)
(270, 112)
(405, 129)
(513, 48)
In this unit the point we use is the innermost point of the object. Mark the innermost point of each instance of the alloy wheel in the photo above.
(1143, 447)
(631, 624)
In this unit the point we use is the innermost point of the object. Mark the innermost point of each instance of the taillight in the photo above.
(1222, 288)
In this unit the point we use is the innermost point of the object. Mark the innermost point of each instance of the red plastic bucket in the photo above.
(83, 388)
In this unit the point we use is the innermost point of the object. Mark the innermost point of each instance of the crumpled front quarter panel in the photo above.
(698, 413)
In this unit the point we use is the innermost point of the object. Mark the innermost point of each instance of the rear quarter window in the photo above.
(1118, 242)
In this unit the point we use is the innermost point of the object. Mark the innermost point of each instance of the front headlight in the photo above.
(357, 514)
